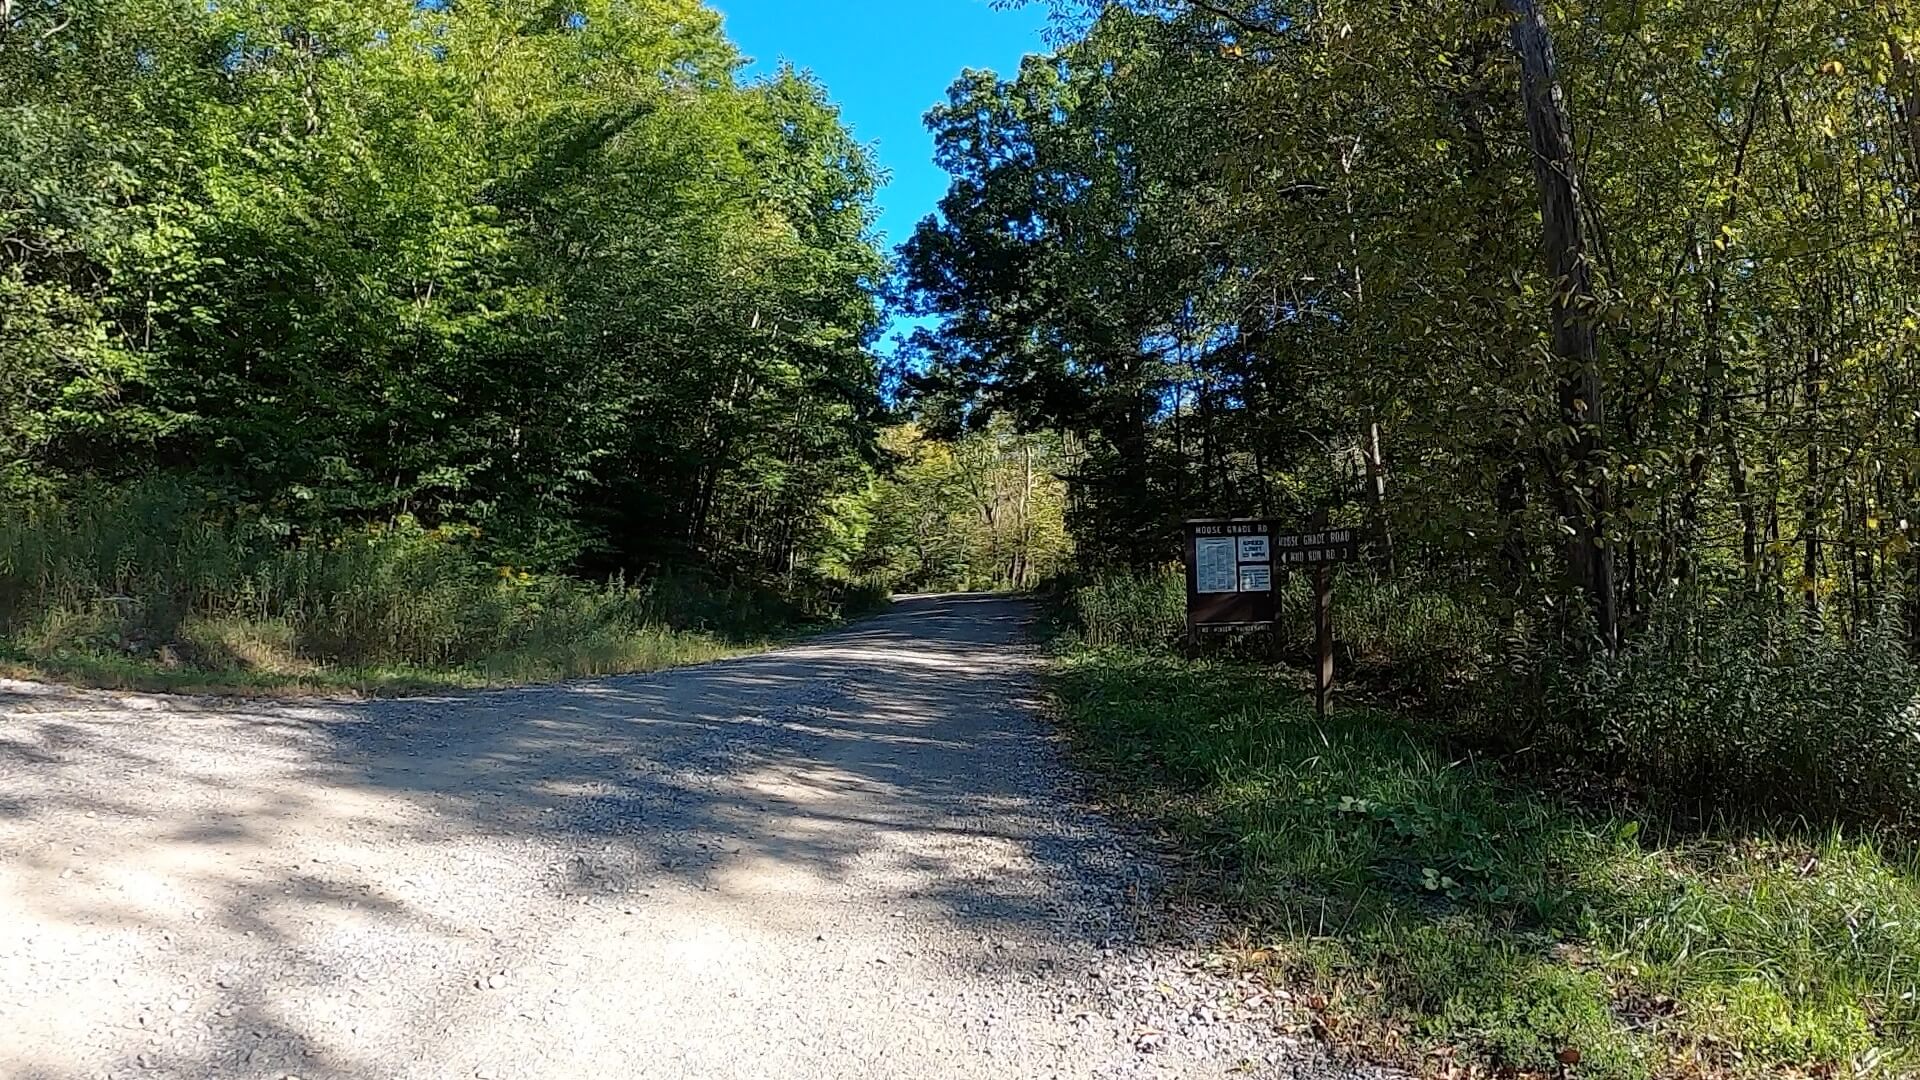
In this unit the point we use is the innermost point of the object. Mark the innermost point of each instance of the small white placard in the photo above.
(1255, 549)
(1213, 565)
(1256, 579)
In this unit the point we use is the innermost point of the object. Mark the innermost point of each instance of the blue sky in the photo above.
(886, 62)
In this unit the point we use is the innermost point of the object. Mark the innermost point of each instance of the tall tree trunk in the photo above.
(1585, 496)
(1743, 499)
(1912, 566)
(1026, 516)
(1907, 67)
(1510, 498)
(1714, 408)
(1810, 502)
(1211, 499)
(1377, 493)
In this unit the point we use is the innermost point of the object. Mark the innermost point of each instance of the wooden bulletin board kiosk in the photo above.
(1230, 576)
(1231, 565)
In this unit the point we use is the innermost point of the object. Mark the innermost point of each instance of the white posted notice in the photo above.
(1214, 565)
(1255, 549)
(1256, 579)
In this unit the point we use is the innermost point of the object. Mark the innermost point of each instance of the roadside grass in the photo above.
(238, 657)
(284, 674)
(1443, 910)
(141, 591)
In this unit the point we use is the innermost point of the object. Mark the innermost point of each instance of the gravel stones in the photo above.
(860, 857)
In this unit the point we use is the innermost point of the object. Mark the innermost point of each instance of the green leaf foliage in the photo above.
(559, 273)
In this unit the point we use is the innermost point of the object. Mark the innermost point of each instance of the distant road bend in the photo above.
(857, 857)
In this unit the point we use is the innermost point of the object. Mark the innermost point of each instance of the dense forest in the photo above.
(1644, 283)
(1599, 317)
(554, 273)
(1596, 318)
(398, 343)
(454, 287)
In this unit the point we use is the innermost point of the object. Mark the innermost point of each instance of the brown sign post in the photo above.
(1231, 564)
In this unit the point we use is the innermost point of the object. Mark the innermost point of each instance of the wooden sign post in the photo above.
(1320, 549)
(1231, 563)
(1322, 639)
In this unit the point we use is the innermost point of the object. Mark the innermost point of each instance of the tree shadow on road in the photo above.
(244, 876)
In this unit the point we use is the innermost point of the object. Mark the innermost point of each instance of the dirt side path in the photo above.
(852, 858)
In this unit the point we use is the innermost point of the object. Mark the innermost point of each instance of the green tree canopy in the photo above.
(554, 271)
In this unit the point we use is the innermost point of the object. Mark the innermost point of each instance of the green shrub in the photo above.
(1147, 609)
(1413, 634)
(160, 578)
(1743, 706)
(1408, 634)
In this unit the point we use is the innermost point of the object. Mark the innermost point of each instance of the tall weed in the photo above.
(1721, 706)
(1742, 706)
(1145, 609)
(1412, 633)
(155, 576)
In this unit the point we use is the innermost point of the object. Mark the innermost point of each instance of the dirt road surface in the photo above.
(858, 857)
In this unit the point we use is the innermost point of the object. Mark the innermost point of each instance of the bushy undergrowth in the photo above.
(1437, 903)
(1743, 707)
(138, 590)
(1148, 609)
(1416, 634)
(1711, 707)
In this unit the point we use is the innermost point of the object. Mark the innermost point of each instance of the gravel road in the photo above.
(858, 857)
